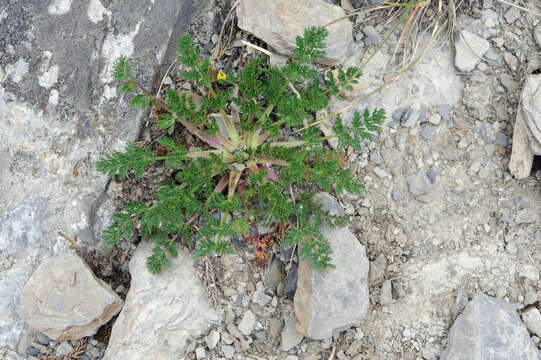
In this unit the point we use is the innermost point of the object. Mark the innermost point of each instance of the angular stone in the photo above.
(334, 300)
(65, 300)
(532, 320)
(290, 336)
(279, 22)
(489, 329)
(469, 50)
(418, 183)
(531, 107)
(537, 35)
(247, 324)
(161, 311)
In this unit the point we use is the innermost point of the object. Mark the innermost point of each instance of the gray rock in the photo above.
(291, 281)
(260, 298)
(279, 22)
(527, 129)
(229, 351)
(444, 111)
(32, 351)
(529, 272)
(411, 118)
(275, 328)
(469, 50)
(435, 119)
(386, 296)
(161, 311)
(531, 107)
(427, 133)
(274, 274)
(200, 353)
(532, 319)
(56, 288)
(59, 113)
(363, 3)
(247, 324)
(41, 338)
(432, 174)
(290, 336)
(377, 269)
(397, 196)
(512, 15)
(372, 34)
(334, 300)
(94, 352)
(418, 183)
(489, 329)
(212, 339)
(64, 348)
(537, 35)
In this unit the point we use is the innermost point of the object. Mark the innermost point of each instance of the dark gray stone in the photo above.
(291, 281)
(41, 338)
(489, 329)
(432, 174)
(32, 351)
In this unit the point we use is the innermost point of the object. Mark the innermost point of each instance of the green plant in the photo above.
(253, 152)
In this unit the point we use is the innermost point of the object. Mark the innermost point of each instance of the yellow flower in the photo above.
(221, 75)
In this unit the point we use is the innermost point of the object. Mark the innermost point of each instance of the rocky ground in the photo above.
(451, 237)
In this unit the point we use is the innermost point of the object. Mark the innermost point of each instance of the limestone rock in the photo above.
(279, 22)
(338, 298)
(59, 113)
(531, 107)
(290, 336)
(532, 320)
(489, 329)
(527, 130)
(469, 50)
(418, 183)
(65, 300)
(161, 311)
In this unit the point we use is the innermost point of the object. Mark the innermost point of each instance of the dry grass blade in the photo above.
(520, 8)
(78, 351)
(209, 280)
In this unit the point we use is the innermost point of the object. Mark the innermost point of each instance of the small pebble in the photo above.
(200, 353)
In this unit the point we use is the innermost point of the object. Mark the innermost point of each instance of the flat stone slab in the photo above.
(161, 311)
(279, 22)
(489, 329)
(65, 300)
(333, 300)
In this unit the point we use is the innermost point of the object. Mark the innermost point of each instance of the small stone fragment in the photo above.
(64, 348)
(469, 50)
(435, 119)
(212, 339)
(247, 324)
(274, 274)
(229, 351)
(290, 336)
(418, 183)
(427, 133)
(529, 272)
(532, 319)
(386, 296)
(291, 282)
(537, 35)
(200, 353)
(397, 196)
(512, 15)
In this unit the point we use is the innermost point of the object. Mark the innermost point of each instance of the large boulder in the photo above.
(59, 113)
(333, 300)
(161, 311)
(489, 329)
(279, 22)
(65, 300)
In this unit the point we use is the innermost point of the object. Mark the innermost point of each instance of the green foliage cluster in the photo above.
(270, 145)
